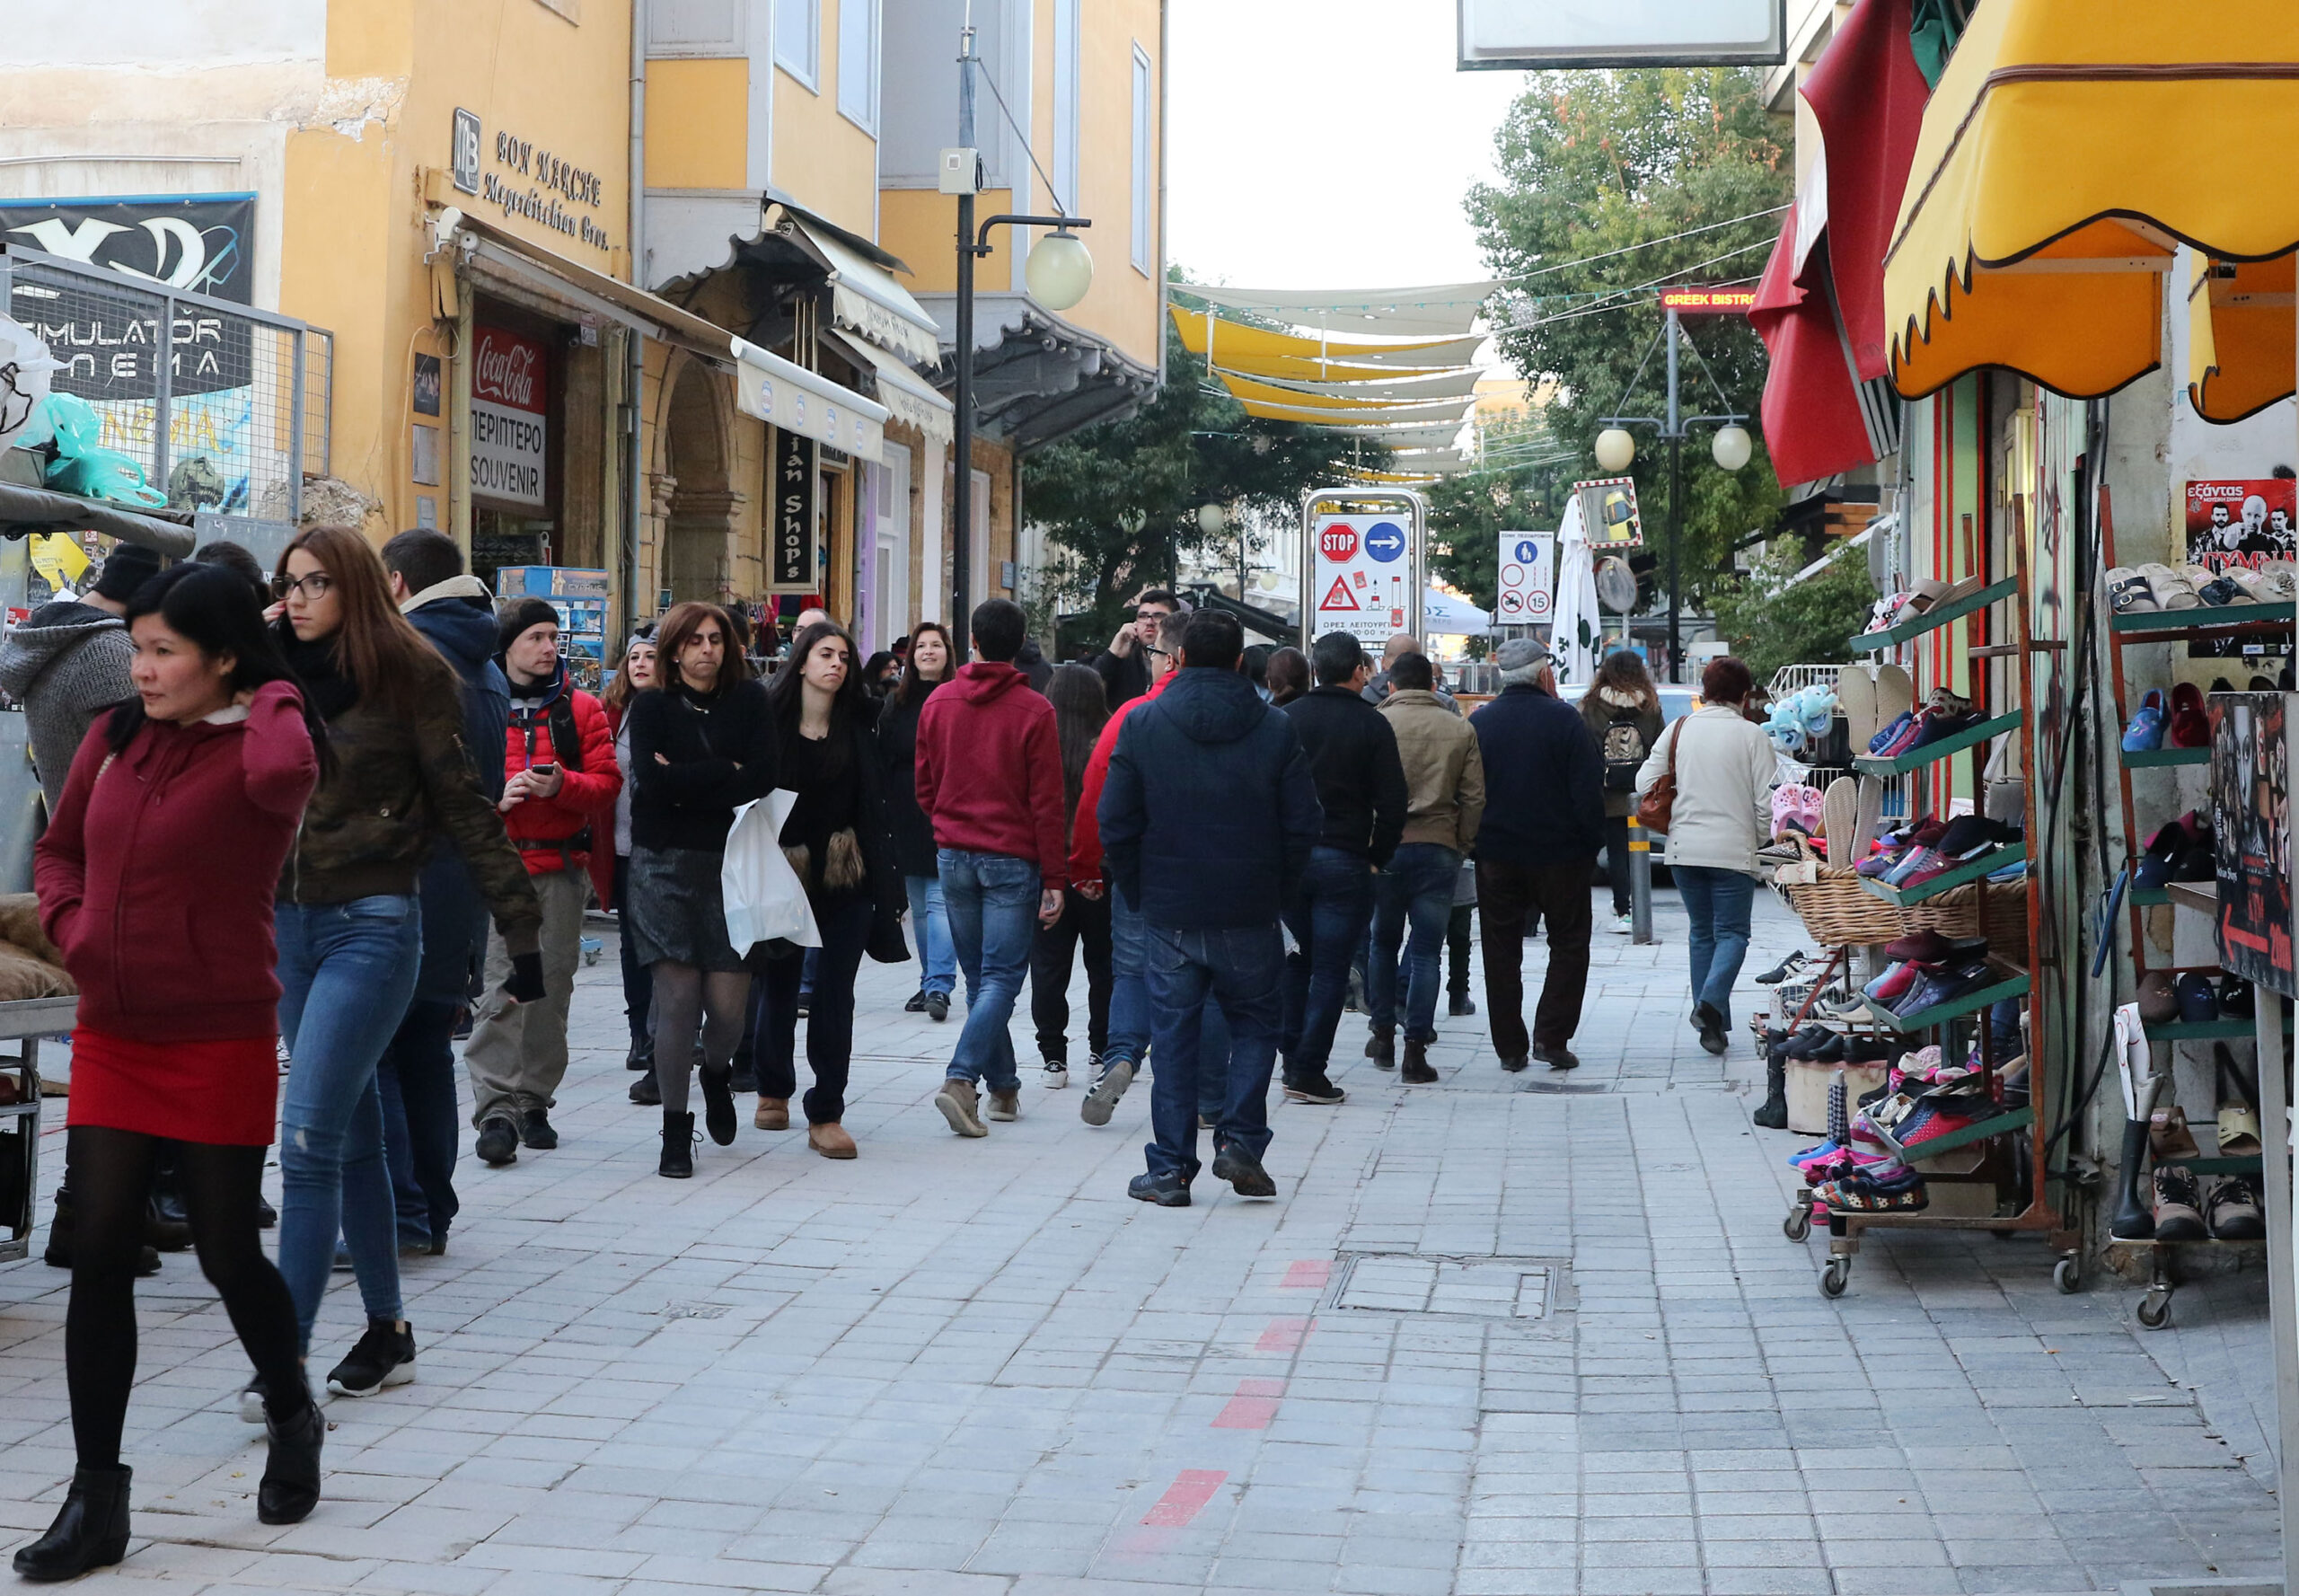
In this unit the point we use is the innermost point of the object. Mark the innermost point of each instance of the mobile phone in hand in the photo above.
(546, 769)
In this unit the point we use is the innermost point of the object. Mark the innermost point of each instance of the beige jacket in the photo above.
(1444, 773)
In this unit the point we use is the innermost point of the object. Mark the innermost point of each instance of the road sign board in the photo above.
(1528, 585)
(1385, 540)
(1338, 542)
(1338, 599)
(1365, 571)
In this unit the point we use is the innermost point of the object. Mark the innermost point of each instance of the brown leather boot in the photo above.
(830, 1140)
(773, 1114)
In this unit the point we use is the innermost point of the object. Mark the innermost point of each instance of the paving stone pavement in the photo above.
(1487, 1340)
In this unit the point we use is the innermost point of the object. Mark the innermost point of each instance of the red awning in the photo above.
(1813, 423)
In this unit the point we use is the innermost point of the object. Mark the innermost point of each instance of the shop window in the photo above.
(697, 28)
(857, 62)
(798, 40)
(1144, 154)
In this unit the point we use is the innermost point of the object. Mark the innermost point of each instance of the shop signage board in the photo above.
(1364, 566)
(1535, 34)
(509, 430)
(1709, 302)
(793, 563)
(1527, 571)
(1609, 511)
(2243, 522)
(202, 243)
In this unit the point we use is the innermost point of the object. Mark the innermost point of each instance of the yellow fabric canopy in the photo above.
(2240, 336)
(1265, 351)
(2070, 145)
(1453, 409)
(1253, 391)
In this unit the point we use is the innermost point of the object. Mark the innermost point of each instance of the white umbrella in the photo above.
(1445, 614)
(1577, 634)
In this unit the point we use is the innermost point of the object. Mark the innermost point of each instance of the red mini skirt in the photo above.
(225, 1092)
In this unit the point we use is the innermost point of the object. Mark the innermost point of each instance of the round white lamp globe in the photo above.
(1615, 449)
(1731, 447)
(1059, 271)
(1210, 519)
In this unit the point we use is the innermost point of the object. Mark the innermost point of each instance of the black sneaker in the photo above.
(535, 1132)
(1243, 1171)
(1556, 1058)
(499, 1142)
(385, 1356)
(917, 1004)
(805, 1004)
(1167, 1191)
(938, 1006)
(1460, 1006)
(1314, 1088)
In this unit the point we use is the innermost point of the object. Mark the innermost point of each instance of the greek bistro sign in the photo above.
(794, 399)
(524, 180)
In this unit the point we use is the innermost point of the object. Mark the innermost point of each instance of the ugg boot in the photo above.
(2135, 1218)
(678, 1147)
(90, 1530)
(1774, 1114)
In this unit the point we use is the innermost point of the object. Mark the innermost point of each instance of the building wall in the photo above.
(822, 159)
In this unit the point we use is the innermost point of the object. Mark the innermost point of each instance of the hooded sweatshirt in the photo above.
(66, 661)
(988, 770)
(1210, 810)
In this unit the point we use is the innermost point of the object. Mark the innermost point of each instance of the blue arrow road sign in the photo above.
(1385, 540)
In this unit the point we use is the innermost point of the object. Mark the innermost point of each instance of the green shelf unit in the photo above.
(2154, 623)
(2199, 1030)
(1971, 869)
(2229, 1164)
(2018, 1119)
(2148, 757)
(1916, 759)
(1931, 620)
(2149, 897)
(1924, 1019)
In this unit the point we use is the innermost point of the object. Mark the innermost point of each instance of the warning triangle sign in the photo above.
(1339, 597)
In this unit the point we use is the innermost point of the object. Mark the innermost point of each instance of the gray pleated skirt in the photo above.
(673, 909)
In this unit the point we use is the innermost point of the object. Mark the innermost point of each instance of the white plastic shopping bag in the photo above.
(764, 898)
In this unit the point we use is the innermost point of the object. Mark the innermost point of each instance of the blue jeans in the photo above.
(1415, 890)
(1214, 1043)
(416, 1077)
(992, 899)
(348, 971)
(929, 922)
(1330, 913)
(1717, 902)
(1128, 1021)
(1239, 969)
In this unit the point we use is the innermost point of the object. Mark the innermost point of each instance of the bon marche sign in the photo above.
(528, 180)
(509, 430)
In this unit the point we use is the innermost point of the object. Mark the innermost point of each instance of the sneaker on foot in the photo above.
(1005, 1107)
(1243, 1171)
(960, 1105)
(1167, 1191)
(1055, 1075)
(499, 1142)
(1102, 1097)
(1314, 1088)
(917, 1004)
(1206, 1122)
(1556, 1058)
(1623, 925)
(385, 1356)
(535, 1132)
(938, 1006)
(250, 1402)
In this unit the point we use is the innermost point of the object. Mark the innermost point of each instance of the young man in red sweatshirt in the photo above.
(990, 780)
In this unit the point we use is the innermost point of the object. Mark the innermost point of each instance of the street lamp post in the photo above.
(1058, 272)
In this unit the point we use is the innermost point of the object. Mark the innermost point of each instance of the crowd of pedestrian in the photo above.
(373, 814)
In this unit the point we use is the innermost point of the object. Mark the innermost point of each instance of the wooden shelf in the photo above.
(1931, 620)
(1916, 759)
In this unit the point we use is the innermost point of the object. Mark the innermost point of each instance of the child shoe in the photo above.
(2145, 732)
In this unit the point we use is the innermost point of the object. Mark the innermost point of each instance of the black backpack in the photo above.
(566, 741)
(1623, 748)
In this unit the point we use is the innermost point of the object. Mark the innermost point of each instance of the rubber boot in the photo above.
(678, 1146)
(2135, 1218)
(90, 1530)
(1774, 1114)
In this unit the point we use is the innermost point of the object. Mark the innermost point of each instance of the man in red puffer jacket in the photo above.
(560, 778)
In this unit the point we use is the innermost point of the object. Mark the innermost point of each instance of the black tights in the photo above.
(110, 1172)
(705, 1008)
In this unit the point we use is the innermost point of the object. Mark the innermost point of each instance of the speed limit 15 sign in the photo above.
(1526, 570)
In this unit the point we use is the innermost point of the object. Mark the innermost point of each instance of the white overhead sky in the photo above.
(1325, 144)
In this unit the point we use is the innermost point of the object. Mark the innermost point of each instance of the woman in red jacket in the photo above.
(156, 879)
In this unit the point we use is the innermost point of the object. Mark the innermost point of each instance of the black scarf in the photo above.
(317, 665)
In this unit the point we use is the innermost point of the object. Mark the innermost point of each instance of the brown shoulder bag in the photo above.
(1658, 807)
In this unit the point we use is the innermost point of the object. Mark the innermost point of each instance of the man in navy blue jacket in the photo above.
(1207, 821)
(1544, 827)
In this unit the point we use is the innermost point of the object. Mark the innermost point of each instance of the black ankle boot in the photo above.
(678, 1146)
(291, 1474)
(719, 1104)
(1774, 1114)
(59, 1254)
(2135, 1218)
(1381, 1047)
(90, 1531)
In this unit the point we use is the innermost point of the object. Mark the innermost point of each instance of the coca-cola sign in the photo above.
(509, 370)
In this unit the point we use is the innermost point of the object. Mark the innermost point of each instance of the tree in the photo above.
(1770, 619)
(1595, 163)
(1520, 486)
(1191, 445)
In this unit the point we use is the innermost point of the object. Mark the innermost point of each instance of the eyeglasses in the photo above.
(1151, 615)
(314, 586)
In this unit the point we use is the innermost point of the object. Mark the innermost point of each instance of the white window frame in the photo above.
(802, 58)
(1144, 152)
(1066, 72)
(858, 24)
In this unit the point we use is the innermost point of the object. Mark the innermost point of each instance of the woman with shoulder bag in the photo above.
(1622, 711)
(1714, 770)
(836, 840)
(189, 793)
(933, 664)
(703, 742)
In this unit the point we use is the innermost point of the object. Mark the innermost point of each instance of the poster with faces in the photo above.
(2246, 522)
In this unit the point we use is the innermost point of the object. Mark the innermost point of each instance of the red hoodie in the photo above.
(989, 770)
(1086, 844)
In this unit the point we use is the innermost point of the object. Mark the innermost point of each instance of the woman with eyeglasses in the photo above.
(348, 932)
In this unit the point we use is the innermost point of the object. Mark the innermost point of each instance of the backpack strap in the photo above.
(566, 738)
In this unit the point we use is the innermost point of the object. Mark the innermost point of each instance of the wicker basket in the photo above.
(1838, 910)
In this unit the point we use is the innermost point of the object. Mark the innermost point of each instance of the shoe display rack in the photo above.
(1996, 1162)
(2263, 622)
(25, 1023)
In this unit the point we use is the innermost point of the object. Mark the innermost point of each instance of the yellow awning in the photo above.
(2069, 146)
(1453, 411)
(2240, 336)
(1257, 391)
(1261, 349)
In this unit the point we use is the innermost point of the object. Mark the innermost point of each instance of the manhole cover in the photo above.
(1464, 1288)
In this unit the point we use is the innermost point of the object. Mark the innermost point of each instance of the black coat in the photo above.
(897, 759)
(1125, 676)
(1360, 776)
(1544, 781)
(453, 914)
(883, 873)
(717, 758)
(1210, 810)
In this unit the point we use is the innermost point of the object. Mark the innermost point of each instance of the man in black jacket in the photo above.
(1360, 784)
(1207, 822)
(1544, 827)
(1124, 665)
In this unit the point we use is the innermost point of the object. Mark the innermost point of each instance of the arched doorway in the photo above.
(702, 505)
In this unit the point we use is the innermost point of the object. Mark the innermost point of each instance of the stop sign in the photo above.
(1338, 542)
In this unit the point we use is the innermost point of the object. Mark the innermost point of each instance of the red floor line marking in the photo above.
(1186, 1498)
(1308, 1274)
(1252, 1407)
(1283, 1335)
